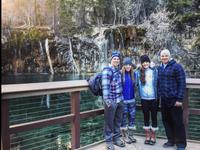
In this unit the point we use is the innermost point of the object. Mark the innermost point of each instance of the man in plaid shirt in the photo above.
(171, 89)
(113, 105)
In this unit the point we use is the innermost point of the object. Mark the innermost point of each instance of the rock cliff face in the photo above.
(25, 50)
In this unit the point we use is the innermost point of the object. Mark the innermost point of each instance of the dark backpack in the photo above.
(95, 84)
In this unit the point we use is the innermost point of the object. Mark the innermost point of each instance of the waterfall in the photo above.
(48, 56)
(71, 55)
(42, 57)
(41, 50)
(102, 44)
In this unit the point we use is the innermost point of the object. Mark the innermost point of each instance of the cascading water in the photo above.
(76, 69)
(48, 56)
(42, 56)
(102, 44)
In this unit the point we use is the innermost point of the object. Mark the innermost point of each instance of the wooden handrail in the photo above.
(73, 87)
(34, 89)
(66, 85)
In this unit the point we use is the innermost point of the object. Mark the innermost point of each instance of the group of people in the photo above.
(164, 85)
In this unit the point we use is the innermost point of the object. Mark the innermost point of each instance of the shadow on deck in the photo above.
(139, 145)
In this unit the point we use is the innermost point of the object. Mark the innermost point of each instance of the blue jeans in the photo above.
(113, 117)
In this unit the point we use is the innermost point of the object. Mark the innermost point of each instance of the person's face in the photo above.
(145, 64)
(115, 61)
(164, 58)
(128, 67)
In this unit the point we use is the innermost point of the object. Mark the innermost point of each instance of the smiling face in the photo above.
(145, 65)
(164, 58)
(115, 61)
(128, 67)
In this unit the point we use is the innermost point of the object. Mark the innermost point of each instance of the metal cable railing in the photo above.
(194, 102)
(31, 110)
(43, 138)
(92, 130)
(28, 109)
(59, 135)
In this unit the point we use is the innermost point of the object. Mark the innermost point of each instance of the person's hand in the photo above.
(178, 104)
(108, 103)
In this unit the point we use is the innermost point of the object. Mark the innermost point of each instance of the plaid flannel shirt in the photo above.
(112, 85)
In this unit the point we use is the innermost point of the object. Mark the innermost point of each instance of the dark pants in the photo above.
(172, 118)
(150, 106)
(113, 119)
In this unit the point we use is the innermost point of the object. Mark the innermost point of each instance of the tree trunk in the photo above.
(55, 17)
(115, 12)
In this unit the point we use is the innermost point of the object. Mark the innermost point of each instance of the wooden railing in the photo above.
(72, 87)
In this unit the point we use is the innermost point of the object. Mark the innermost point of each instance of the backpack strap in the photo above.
(109, 68)
(122, 78)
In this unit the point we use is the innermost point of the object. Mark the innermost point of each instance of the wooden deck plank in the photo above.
(139, 145)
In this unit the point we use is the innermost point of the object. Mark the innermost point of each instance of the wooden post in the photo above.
(186, 111)
(75, 130)
(5, 136)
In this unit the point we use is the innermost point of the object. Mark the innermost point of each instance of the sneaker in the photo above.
(127, 140)
(109, 146)
(168, 144)
(119, 142)
(133, 140)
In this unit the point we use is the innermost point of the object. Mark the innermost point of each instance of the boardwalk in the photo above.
(140, 146)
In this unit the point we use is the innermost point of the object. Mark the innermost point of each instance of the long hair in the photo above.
(142, 75)
(131, 72)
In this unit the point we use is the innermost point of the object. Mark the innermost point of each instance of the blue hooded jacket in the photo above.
(140, 86)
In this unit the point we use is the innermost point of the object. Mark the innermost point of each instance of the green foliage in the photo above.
(34, 34)
(18, 37)
(185, 12)
(67, 26)
(69, 9)
(50, 4)
(179, 6)
(190, 18)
